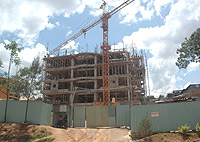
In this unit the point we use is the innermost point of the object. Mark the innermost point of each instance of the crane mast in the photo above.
(105, 46)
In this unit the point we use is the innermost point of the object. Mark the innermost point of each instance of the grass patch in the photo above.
(39, 136)
(6, 137)
(29, 138)
(46, 140)
(26, 138)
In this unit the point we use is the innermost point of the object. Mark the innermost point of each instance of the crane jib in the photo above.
(87, 28)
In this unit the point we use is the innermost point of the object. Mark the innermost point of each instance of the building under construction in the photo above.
(78, 78)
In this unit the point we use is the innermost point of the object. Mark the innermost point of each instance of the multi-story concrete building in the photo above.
(78, 78)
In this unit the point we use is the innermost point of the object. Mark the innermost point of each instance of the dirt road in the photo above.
(64, 135)
(91, 135)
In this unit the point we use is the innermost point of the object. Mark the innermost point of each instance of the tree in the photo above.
(14, 58)
(189, 51)
(30, 79)
(145, 126)
(1, 64)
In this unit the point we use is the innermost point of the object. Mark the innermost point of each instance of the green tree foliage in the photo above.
(30, 78)
(189, 51)
(14, 58)
(30, 81)
(144, 127)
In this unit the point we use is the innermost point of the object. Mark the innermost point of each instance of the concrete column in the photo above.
(72, 76)
(128, 80)
(128, 84)
(95, 75)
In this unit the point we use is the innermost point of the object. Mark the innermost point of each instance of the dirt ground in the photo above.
(171, 137)
(91, 135)
(15, 131)
(66, 135)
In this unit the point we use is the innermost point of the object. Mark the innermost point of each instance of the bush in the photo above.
(46, 140)
(184, 130)
(198, 128)
(144, 127)
(164, 138)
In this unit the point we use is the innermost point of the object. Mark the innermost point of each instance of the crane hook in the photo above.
(84, 35)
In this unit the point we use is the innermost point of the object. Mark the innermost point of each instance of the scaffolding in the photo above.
(78, 78)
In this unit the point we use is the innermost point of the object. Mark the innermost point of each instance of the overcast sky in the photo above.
(156, 26)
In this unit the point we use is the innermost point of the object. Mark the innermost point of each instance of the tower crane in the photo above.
(105, 46)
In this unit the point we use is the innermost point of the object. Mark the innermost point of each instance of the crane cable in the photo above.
(85, 22)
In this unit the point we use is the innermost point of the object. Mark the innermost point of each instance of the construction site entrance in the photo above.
(97, 116)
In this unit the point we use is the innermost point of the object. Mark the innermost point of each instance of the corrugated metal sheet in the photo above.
(70, 116)
(111, 111)
(97, 116)
(38, 112)
(123, 115)
(79, 116)
(111, 115)
(16, 111)
(2, 110)
(171, 116)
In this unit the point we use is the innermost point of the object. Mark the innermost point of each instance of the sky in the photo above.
(158, 27)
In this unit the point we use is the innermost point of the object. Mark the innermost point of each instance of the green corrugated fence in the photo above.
(38, 112)
(79, 116)
(123, 115)
(166, 117)
(97, 116)
(101, 116)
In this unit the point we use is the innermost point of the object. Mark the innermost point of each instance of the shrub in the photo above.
(46, 140)
(144, 127)
(198, 128)
(184, 130)
(164, 138)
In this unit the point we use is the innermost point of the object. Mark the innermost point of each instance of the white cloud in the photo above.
(4, 55)
(163, 41)
(147, 13)
(193, 67)
(57, 23)
(69, 33)
(71, 47)
(96, 12)
(26, 18)
(26, 56)
(50, 26)
(119, 46)
(160, 4)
